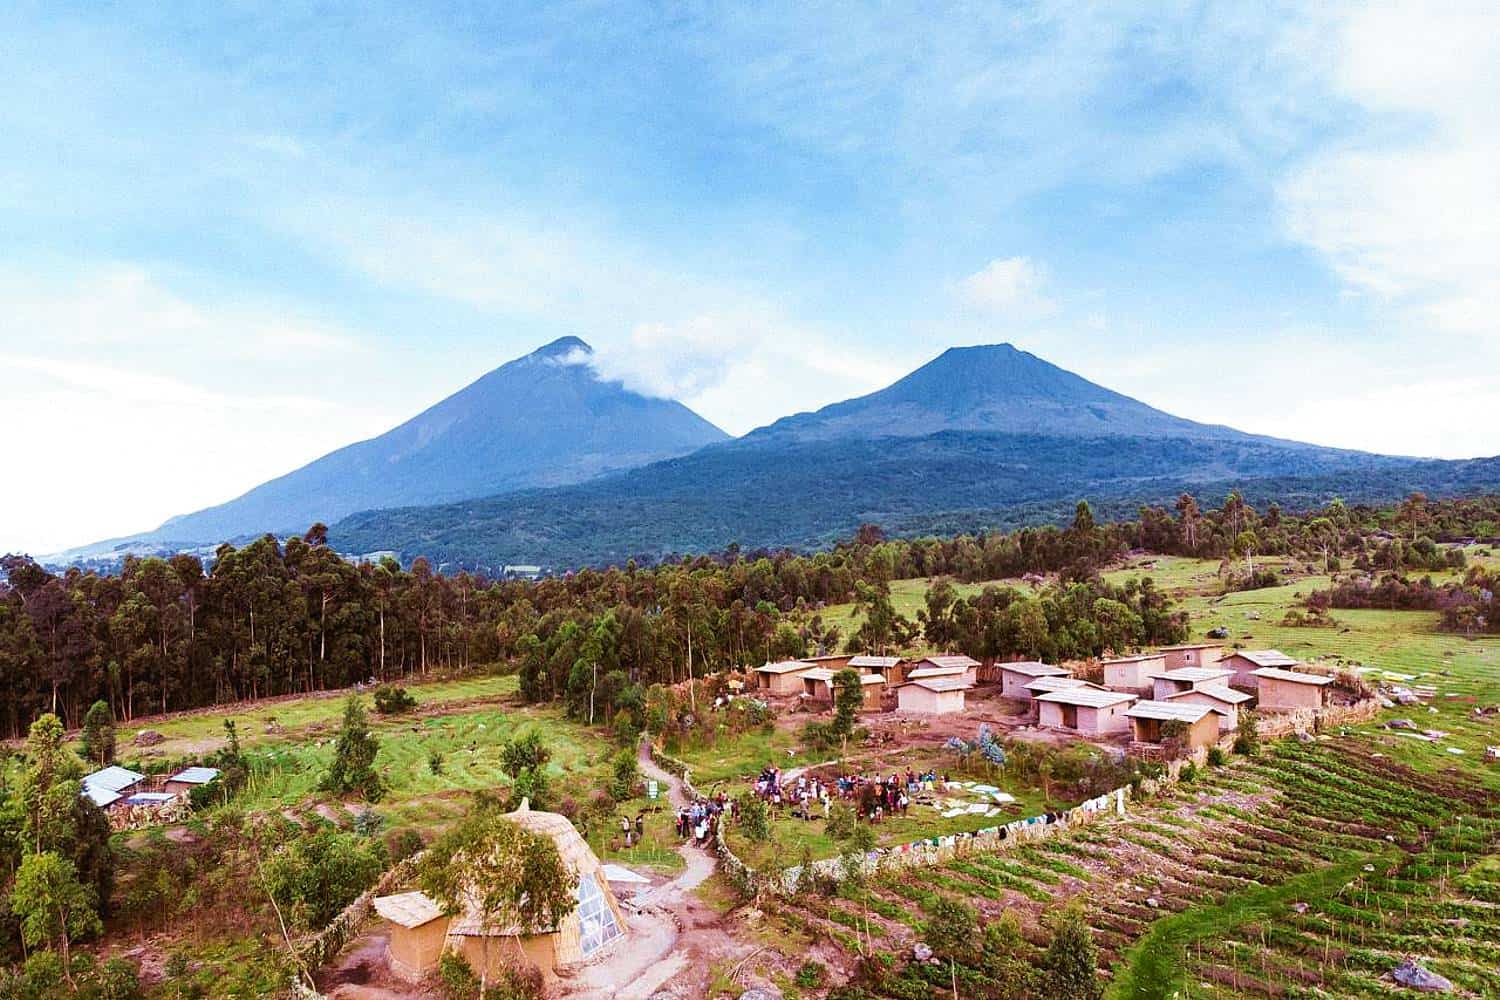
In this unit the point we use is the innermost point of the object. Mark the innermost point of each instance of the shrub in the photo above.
(353, 767)
(1217, 757)
(315, 877)
(811, 975)
(952, 929)
(435, 761)
(626, 772)
(841, 820)
(1246, 739)
(1188, 774)
(755, 818)
(403, 844)
(1070, 968)
(456, 978)
(391, 699)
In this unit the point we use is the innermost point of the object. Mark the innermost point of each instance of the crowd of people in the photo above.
(873, 797)
(699, 822)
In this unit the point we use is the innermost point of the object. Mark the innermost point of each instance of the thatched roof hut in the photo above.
(594, 923)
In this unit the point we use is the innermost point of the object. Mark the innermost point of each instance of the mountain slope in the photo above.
(995, 388)
(777, 492)
(976, 437)
(542, 420)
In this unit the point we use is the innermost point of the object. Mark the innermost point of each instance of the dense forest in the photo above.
(279, 617)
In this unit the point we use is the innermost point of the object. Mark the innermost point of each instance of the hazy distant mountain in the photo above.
(542, 420)
(994, 388)
(986, 436)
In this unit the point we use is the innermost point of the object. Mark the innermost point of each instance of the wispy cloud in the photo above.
(1008, 286)
(1407, 209)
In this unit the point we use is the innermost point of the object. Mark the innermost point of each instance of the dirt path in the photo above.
(674, 936)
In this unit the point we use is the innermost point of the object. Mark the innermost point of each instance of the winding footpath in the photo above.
(672, 931)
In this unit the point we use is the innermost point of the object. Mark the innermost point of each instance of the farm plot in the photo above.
(1304, 830)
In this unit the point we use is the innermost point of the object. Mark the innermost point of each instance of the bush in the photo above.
(755, 818)
(456, 978)
(391, 699)
(1217, 757)
(626, 772)
(403, 844)
(458, 981)
(952, 929)
(1188, 774)
(1246, 739)
(315, 877)
(841, 821)
(811, 975)
(435, 761)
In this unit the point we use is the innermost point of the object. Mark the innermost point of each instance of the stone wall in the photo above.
(315, 951)
(1310, 720)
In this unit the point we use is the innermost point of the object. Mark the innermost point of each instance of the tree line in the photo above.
(279, 617)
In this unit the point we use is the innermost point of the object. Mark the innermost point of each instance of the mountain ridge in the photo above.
(543, 419)
(955, 392)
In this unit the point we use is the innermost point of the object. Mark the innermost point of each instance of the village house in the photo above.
(1200, 722)
(1192, 654)
(1284, 689)
(932, 696)
(832, 661)
(892, 668)
(1245, 662)
(1225, 700)
(418, 929)
(1015, 676)
(947, 661)
(111, 785)
(189, 778)
(1185, 679)
(1133, 673)
(1088, 711)
(1042, 685)
(781, 678)
(419, 932)
(929, 673)
(817, 684)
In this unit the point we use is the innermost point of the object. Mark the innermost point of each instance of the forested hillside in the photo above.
(807, 494)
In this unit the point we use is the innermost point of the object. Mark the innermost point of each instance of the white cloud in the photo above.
(130, 403)
(1008, 286)
(743, 367)
(125, 306)
(1408, 209)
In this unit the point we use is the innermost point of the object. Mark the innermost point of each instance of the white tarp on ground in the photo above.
(618, 873)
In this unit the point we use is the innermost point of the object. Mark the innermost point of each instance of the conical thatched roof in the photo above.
(571, 848)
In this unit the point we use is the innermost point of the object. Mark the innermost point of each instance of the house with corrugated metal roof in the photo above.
(110, 785)
(1015, 676)
(1086, 710)
(1245, 662)
(189, 778)
(1150, 720)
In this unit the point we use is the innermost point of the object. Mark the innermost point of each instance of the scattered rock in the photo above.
(921, 952)
(761, 994)
(1152, 902)
(147, 738)
(1400, 724)
(1300, 907)
(1412, 975)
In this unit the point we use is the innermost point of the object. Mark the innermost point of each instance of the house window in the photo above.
(597, 925)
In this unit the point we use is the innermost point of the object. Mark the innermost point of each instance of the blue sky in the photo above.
(239, 236)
